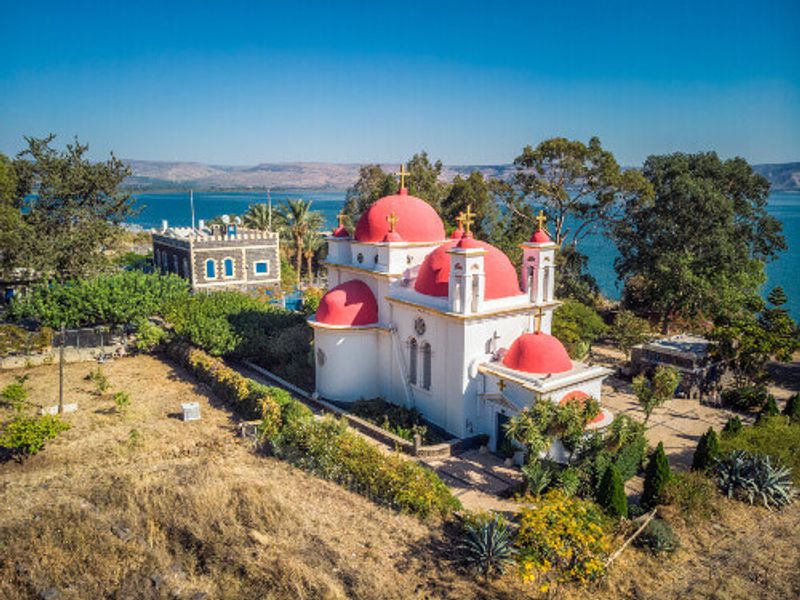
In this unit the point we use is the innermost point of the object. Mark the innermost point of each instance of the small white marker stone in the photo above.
(191, 411)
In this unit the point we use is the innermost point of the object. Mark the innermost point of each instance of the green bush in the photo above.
(15, 394)
(611, 495)
(577, 326)
(770, 409)
(745, 398)
(537, 477)
(732, 426)
(122, 400)
(149, 336)
(487, 546)
(399, 420)
(705, 455)
(25, 436)
(657, 537)
(16, 340)
(656, 477)
(694, 494)
(792, 408)
(117, 299)
(568, 481)
(100, 380)
(328, 449)
(777, 437)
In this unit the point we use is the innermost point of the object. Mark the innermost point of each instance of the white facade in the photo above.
(441, 355)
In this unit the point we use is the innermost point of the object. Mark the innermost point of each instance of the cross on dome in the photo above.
(341, 218)
(392, 219)
(541, 220)
(402, 174)
(537, 319)
(468, 218)
(460, 220)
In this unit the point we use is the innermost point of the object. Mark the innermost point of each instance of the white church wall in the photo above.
(347, 363)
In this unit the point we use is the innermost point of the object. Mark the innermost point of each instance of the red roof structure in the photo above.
(537, 353)
(351, 303)
(417, 221)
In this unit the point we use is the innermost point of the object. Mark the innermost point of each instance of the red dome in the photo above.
(350, 303)
(434, 272)
(540, 237)
(417, 221)
(537, 353)
(341, 232)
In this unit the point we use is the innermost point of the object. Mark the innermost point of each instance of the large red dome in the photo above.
(350, 303)
(417, 221)
(537, 353)
(501, 277)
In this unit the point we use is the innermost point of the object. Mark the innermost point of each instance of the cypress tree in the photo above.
(792, 408)
(770, 408)
(732, 426)
(706, 452)
(656, 477)
(611, 494)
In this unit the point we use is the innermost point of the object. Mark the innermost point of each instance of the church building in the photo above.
(446, 326)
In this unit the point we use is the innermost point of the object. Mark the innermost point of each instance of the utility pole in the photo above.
(61, 370)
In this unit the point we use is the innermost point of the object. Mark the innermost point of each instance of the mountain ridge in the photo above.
(149, 174)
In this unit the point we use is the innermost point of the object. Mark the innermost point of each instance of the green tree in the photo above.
(515, 224)
(312, 244)
(425, 180)
(656, 477)
(73, 207)
(654, 393)
(628, 330)
(792, 408)
(373, 183)
(298, 220)
(577, 326)
(699, 249)
(258, 217)
(573, 279)
(706, 452)
(611, 494)
(475, 192)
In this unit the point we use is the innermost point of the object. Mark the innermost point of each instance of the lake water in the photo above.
(174, 207)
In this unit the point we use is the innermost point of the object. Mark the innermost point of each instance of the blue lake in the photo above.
(174, 207)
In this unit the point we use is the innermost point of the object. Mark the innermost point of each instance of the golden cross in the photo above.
(392, 219)
(402, 175)
(537, 319)
(469, 218)
(501, 385)
(460, 220)
(541, 219)
(341, 217)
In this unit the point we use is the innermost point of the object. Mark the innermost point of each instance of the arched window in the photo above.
(426, 365)
(228, 267)
(211, 269)
(412, 361)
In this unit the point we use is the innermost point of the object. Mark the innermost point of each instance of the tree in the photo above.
(299, 219)
(73, 207)
(373, 183)
(706, 452)
(425, 180)
(792, 408)
(312, 243)
(577, 326)
(474, 191)
(656, 477)
(573, 279)
(653, 393)
(570, 178)
(628, 330)
(258, 217)
(699, 249)
(611, 494)
(516, 220)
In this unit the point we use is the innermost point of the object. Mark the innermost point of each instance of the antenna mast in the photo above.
(191, 204)
(269, 202)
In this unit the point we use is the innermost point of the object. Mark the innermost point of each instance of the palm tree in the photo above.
(299, 219)
(258, 217)
(312, 242)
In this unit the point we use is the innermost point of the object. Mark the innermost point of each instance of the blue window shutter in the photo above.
(210, 270)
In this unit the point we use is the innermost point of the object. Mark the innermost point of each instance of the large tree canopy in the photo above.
(69, 208)
(699, 249)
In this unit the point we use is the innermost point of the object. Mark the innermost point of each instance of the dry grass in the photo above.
(185, 510)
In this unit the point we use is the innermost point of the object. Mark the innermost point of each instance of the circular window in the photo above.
(419, 326)
(360, 257)
(320, 357)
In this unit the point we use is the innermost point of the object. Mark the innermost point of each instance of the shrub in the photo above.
(16, 340)
(311, 299)
(705, 454)
(115, 299)
(15, 394)
(537, 477)
(792, 408)
(777, 437)
(656, 477)
(328, 449)
(562, 539)
(25, 436)
(568, 481)
(122, 400)
(770, 409)
(487, 546)
(100, 380)
(611, 495)
(399, 420)
(745, 398)
(755, 479)
(577, 326)
(149, 336)
(732, 426)
(693, 494)
(657, 537)
(629, 330)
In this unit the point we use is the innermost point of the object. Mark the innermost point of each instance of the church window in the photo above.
(412, 361)
(426, 365)
(360, 257)
(475, 291)
(228, 266)
(262, 267)
(546, 285)
(211, 269)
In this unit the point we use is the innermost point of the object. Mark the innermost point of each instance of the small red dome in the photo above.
(417, 221)
(434, 272)
(341, 232)
(540, 237)
(350, 303)
(537, 353)
(392, 236)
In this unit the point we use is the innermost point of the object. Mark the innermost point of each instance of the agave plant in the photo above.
(754, 478)
(487, 546)
(537, 477)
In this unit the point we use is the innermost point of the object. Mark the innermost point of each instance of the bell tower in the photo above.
(538, 265)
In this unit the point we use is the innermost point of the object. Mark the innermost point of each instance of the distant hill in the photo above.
(149, 174)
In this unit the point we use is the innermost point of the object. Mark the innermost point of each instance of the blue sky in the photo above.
(241, 83)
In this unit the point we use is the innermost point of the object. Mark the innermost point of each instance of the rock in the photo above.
(50, 593)
(258, 537)
(121, 532)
